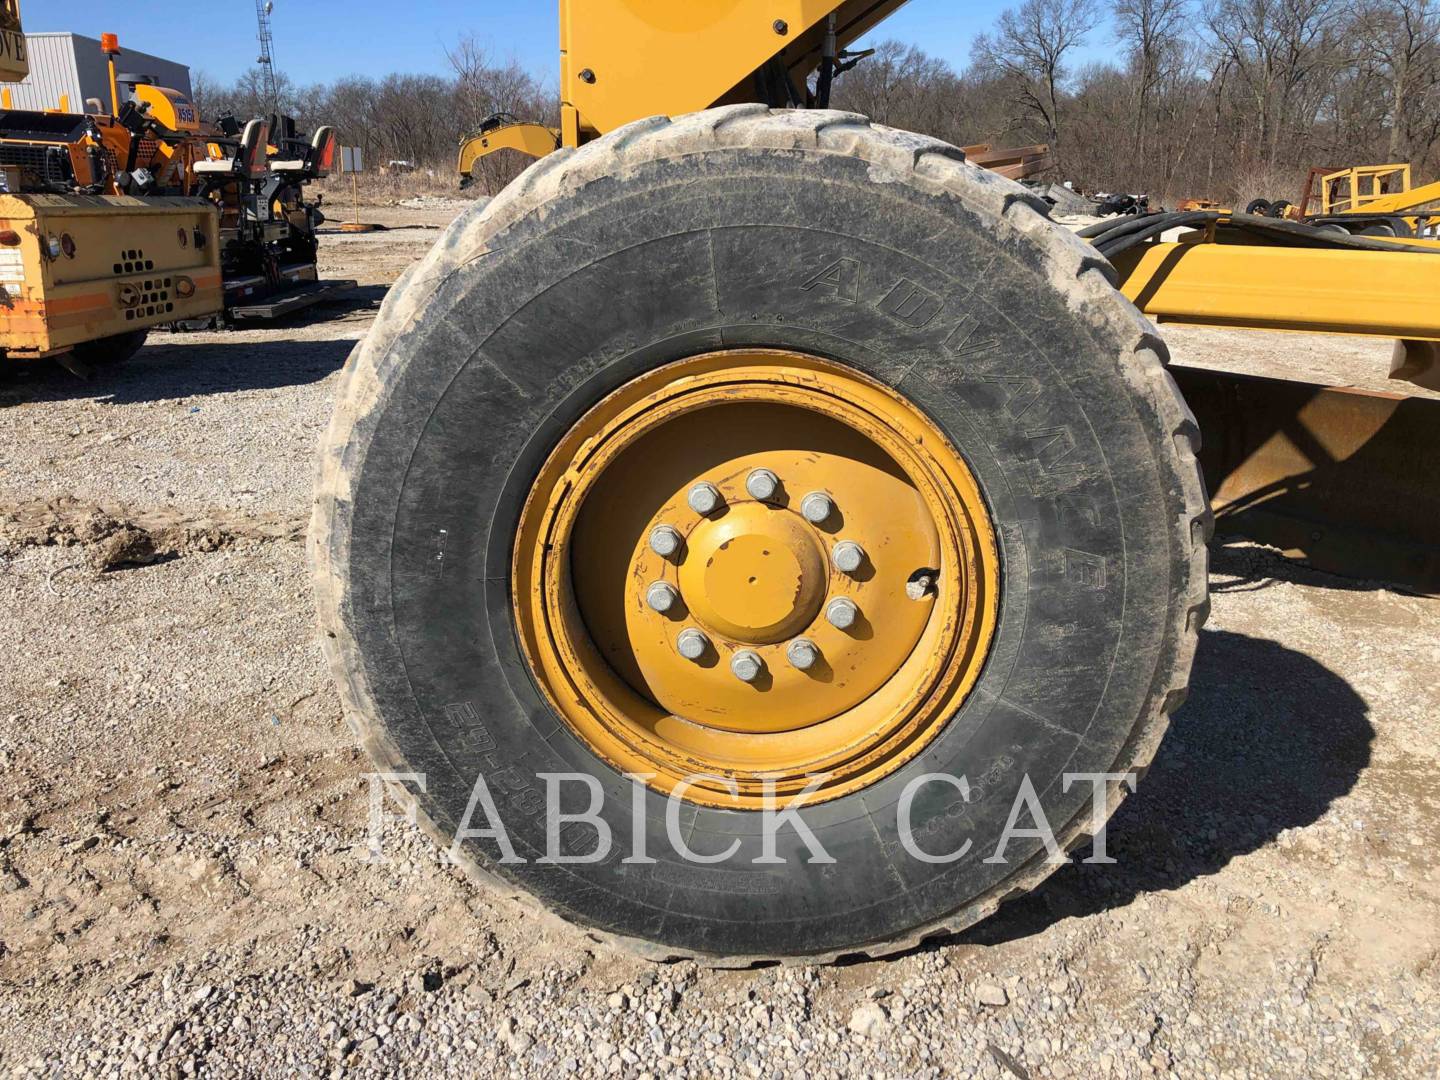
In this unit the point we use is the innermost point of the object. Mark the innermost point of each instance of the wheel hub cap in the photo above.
(755, 575)
(706, 689)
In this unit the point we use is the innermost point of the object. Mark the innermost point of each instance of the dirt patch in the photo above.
(115, 537)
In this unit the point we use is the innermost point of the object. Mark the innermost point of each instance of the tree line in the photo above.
(1222, 99)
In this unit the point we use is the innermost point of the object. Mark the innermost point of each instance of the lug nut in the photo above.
(848, 556)
(762, 484)
(704, 498)
(802, 654)
(841, 613)
(664, 541)
(661, 596)
(692, 644)
(816, 507)
(746, 665)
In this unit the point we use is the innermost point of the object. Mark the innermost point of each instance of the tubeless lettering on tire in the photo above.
(512, 783)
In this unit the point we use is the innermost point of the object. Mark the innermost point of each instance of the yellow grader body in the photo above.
(621, 62)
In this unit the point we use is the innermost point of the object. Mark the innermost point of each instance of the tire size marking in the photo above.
(708, 879)
(463, 718)
(981, 790)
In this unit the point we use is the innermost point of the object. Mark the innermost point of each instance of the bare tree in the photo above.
(1225, 98)
(1152, 34)
(484, 88)
(1402, 39)
(1028, 50)
(1276, 47)
(903, 87)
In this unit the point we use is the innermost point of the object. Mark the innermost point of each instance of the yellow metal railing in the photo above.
(1352, 191)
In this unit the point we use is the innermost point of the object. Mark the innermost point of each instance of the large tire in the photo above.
(670, 238)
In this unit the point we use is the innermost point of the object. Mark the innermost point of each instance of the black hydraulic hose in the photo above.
(1138, 232)
(1106, 224)
(1111, 238)
(1303, 235)
(824, 82)
(1134, 230)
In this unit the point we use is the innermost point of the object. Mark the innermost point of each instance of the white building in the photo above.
(72, 66)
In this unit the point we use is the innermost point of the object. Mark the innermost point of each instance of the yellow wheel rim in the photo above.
(763, 650)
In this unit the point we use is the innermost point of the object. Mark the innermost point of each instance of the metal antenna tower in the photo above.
(266, 59)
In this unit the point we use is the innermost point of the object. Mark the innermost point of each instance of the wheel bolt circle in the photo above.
(841, 613)
(762, 484)
(802, 654)
(816, 507)
(847, 556)
(704, 498)
(746, 665)
(661, 596)
(664, 541)
(692, 644)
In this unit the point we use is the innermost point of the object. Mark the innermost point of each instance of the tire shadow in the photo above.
(1266, 741)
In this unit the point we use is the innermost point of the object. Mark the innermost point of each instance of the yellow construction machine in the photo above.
(86, 272)
(758, 533)
(114, 223)
(84, 275)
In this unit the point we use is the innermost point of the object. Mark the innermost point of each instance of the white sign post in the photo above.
(352, 162)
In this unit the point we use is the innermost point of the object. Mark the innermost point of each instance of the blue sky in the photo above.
(318, 40)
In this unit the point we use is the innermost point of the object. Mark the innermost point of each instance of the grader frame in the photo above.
(1272, 442)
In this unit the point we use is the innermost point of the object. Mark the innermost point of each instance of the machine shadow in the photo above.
(1238, 564)
(1267, 740)
(170, 367)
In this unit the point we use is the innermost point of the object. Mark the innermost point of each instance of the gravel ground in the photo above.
(183, 881)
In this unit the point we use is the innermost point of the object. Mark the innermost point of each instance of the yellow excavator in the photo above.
(762, 534)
